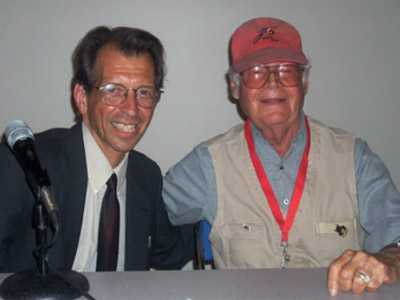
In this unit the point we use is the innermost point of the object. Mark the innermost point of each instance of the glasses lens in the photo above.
(113, 94)
(258, 76)
(289, 75)
(147, 96)
(255, 77)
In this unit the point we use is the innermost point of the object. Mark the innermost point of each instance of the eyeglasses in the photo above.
(114, 94)
(287, 74)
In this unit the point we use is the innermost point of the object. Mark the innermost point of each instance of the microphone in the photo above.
(21, 140)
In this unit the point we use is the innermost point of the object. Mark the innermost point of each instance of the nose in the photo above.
(130, 106)
(272, 80)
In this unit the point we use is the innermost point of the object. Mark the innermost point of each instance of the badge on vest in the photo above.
(246, 227)
(341, 230)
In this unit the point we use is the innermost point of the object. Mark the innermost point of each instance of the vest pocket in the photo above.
(242, 243)
(341, 228)
(335, 237)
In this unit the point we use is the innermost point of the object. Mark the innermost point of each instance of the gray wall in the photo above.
(353, 46)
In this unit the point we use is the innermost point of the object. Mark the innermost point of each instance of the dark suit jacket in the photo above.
(150, 237)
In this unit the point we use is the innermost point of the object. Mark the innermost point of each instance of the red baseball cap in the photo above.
(265, 40)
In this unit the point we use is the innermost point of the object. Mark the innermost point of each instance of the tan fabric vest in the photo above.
(245, 233)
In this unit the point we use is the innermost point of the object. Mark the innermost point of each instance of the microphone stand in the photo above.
(44, 282)
(40, 221)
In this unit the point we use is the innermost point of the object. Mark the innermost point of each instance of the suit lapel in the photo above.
(138, 218)
(70, 184)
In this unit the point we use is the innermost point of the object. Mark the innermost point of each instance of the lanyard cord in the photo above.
(284, 225)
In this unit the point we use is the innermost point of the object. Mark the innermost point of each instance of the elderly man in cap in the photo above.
(282, 189)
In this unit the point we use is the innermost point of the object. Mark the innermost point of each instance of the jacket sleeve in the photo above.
(16, 203)
(173, 245)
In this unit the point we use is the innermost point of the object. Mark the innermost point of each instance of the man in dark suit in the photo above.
(118, 76)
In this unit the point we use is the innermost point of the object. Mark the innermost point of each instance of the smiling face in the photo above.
(274, 106)
(117, 129)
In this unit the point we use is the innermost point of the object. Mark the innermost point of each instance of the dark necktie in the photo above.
(107, 249)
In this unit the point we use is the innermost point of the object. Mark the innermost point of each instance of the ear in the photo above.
(305, 87)
(234, 88)
(80, 98)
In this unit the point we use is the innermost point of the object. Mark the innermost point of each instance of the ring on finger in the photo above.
(363, 276)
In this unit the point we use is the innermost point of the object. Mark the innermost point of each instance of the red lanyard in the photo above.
(285, 225)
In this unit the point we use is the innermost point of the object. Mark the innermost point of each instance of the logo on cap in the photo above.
(265, 33)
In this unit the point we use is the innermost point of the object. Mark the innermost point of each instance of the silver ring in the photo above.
(363, 276)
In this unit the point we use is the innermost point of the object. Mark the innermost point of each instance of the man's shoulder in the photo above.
(318, 125)
(51, 135)
(58, 134)
(51, 140)
(145, 173)
(229, 136)
(140, 162)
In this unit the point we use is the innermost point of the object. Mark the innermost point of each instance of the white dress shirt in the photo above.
(99, 171)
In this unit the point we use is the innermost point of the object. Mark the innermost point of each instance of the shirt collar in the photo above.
(98, 167)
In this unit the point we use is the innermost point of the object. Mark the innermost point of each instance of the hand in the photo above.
(344, 272)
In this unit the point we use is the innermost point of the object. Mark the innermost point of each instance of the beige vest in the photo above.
(245, 233)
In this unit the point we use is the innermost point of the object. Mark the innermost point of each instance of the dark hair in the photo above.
(129, 41)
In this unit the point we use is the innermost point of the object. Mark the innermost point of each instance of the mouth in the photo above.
(128, 128)
(273, 100)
